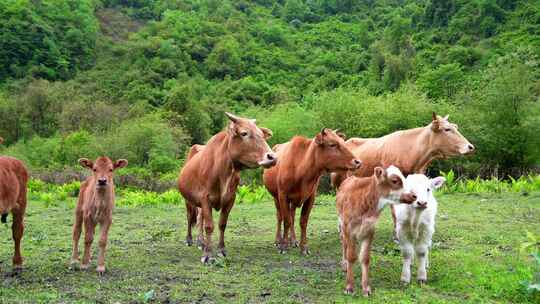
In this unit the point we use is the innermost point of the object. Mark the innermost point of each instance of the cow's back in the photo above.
(13, 182)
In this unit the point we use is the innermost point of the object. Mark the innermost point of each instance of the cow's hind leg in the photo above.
(17, 229)
(191, 213)
(279, 220)
(394, 232)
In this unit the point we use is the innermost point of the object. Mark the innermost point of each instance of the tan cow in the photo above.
(293, 182)
(13, 189)
(359, 202)
(210, 177)
(412, 151)
(95, 206)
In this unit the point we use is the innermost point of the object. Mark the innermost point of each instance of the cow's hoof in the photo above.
(422, 282)
(405, 282)
(100, 270)
(189, 243)
(349, 291)
(74, 265)
(85, 266)
(367, 291)
(344, 266)
(205, 259)
(222, 253)
(305, 251)
(294, 243)
(396, 240)
(200, 244)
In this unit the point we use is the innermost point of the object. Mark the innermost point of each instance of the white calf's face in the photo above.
(423, 188)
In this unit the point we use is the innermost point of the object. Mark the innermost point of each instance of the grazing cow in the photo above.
(293, 182)
(416, 224)
(359, 203)
(13, 188)
(95, 206)
(210, 177)
(412, 151)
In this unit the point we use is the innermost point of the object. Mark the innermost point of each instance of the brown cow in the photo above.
(359, 202)
(95, 206)
(13, 188)
(210, 177)
(412, 151)
(293, 182)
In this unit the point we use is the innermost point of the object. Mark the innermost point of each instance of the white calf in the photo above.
(415, 224)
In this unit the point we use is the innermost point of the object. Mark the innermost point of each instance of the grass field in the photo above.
(475, 257)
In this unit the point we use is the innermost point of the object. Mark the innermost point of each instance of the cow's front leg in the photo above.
(17, 231)
(285, 215)
(89, 228)
(407, 253)
(208, 223)
(421, 253)
(77, 227)
(224, 216)
(306, 210)
(292, 212)
(103, 245)
(365, 253)
(351, 256)
(279, 221)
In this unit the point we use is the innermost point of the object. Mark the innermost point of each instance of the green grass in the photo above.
(475, 258)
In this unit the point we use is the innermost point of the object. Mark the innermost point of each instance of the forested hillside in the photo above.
(143, 79)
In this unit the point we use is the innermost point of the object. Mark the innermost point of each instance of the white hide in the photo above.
(415, 224)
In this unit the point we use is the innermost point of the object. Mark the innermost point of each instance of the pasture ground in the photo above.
(475, 257)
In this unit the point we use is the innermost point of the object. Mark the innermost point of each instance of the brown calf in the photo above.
(359, 203)
(95, 206)
(210, 176)
(13, 188)
(293, 182)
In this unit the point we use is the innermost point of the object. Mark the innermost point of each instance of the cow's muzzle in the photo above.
(102, 182)
(270, 159)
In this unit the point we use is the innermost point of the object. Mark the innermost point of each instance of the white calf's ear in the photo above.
(437, 182)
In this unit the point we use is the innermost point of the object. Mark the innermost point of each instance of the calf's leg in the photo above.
(421, 253)
(352, 256)
(407, 254)
(365, 255)
(89, 228)
(77, 227)
(103, 245)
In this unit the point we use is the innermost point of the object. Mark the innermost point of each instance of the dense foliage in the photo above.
(145, 79)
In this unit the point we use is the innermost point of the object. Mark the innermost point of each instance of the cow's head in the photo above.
(391, 183)
(446, 139)
(423, 188)
(247, 145)
(333, 153)
(103, 169)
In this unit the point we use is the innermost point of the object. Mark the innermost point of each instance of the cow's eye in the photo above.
(110, 170)
(447, 130)
(428, 190)
(243, 133)
(332, 145)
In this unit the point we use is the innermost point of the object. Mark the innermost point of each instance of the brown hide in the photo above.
(294, 180)
(210, 176)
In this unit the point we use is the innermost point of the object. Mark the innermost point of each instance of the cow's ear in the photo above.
(121, 163)
(267, 133)
(86, 163)
(437, 182)
(379, 173)
(342, 135)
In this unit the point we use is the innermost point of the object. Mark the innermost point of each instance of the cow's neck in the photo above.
(310, 168)
(103, 196)
(420, 152)
(225, 165)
